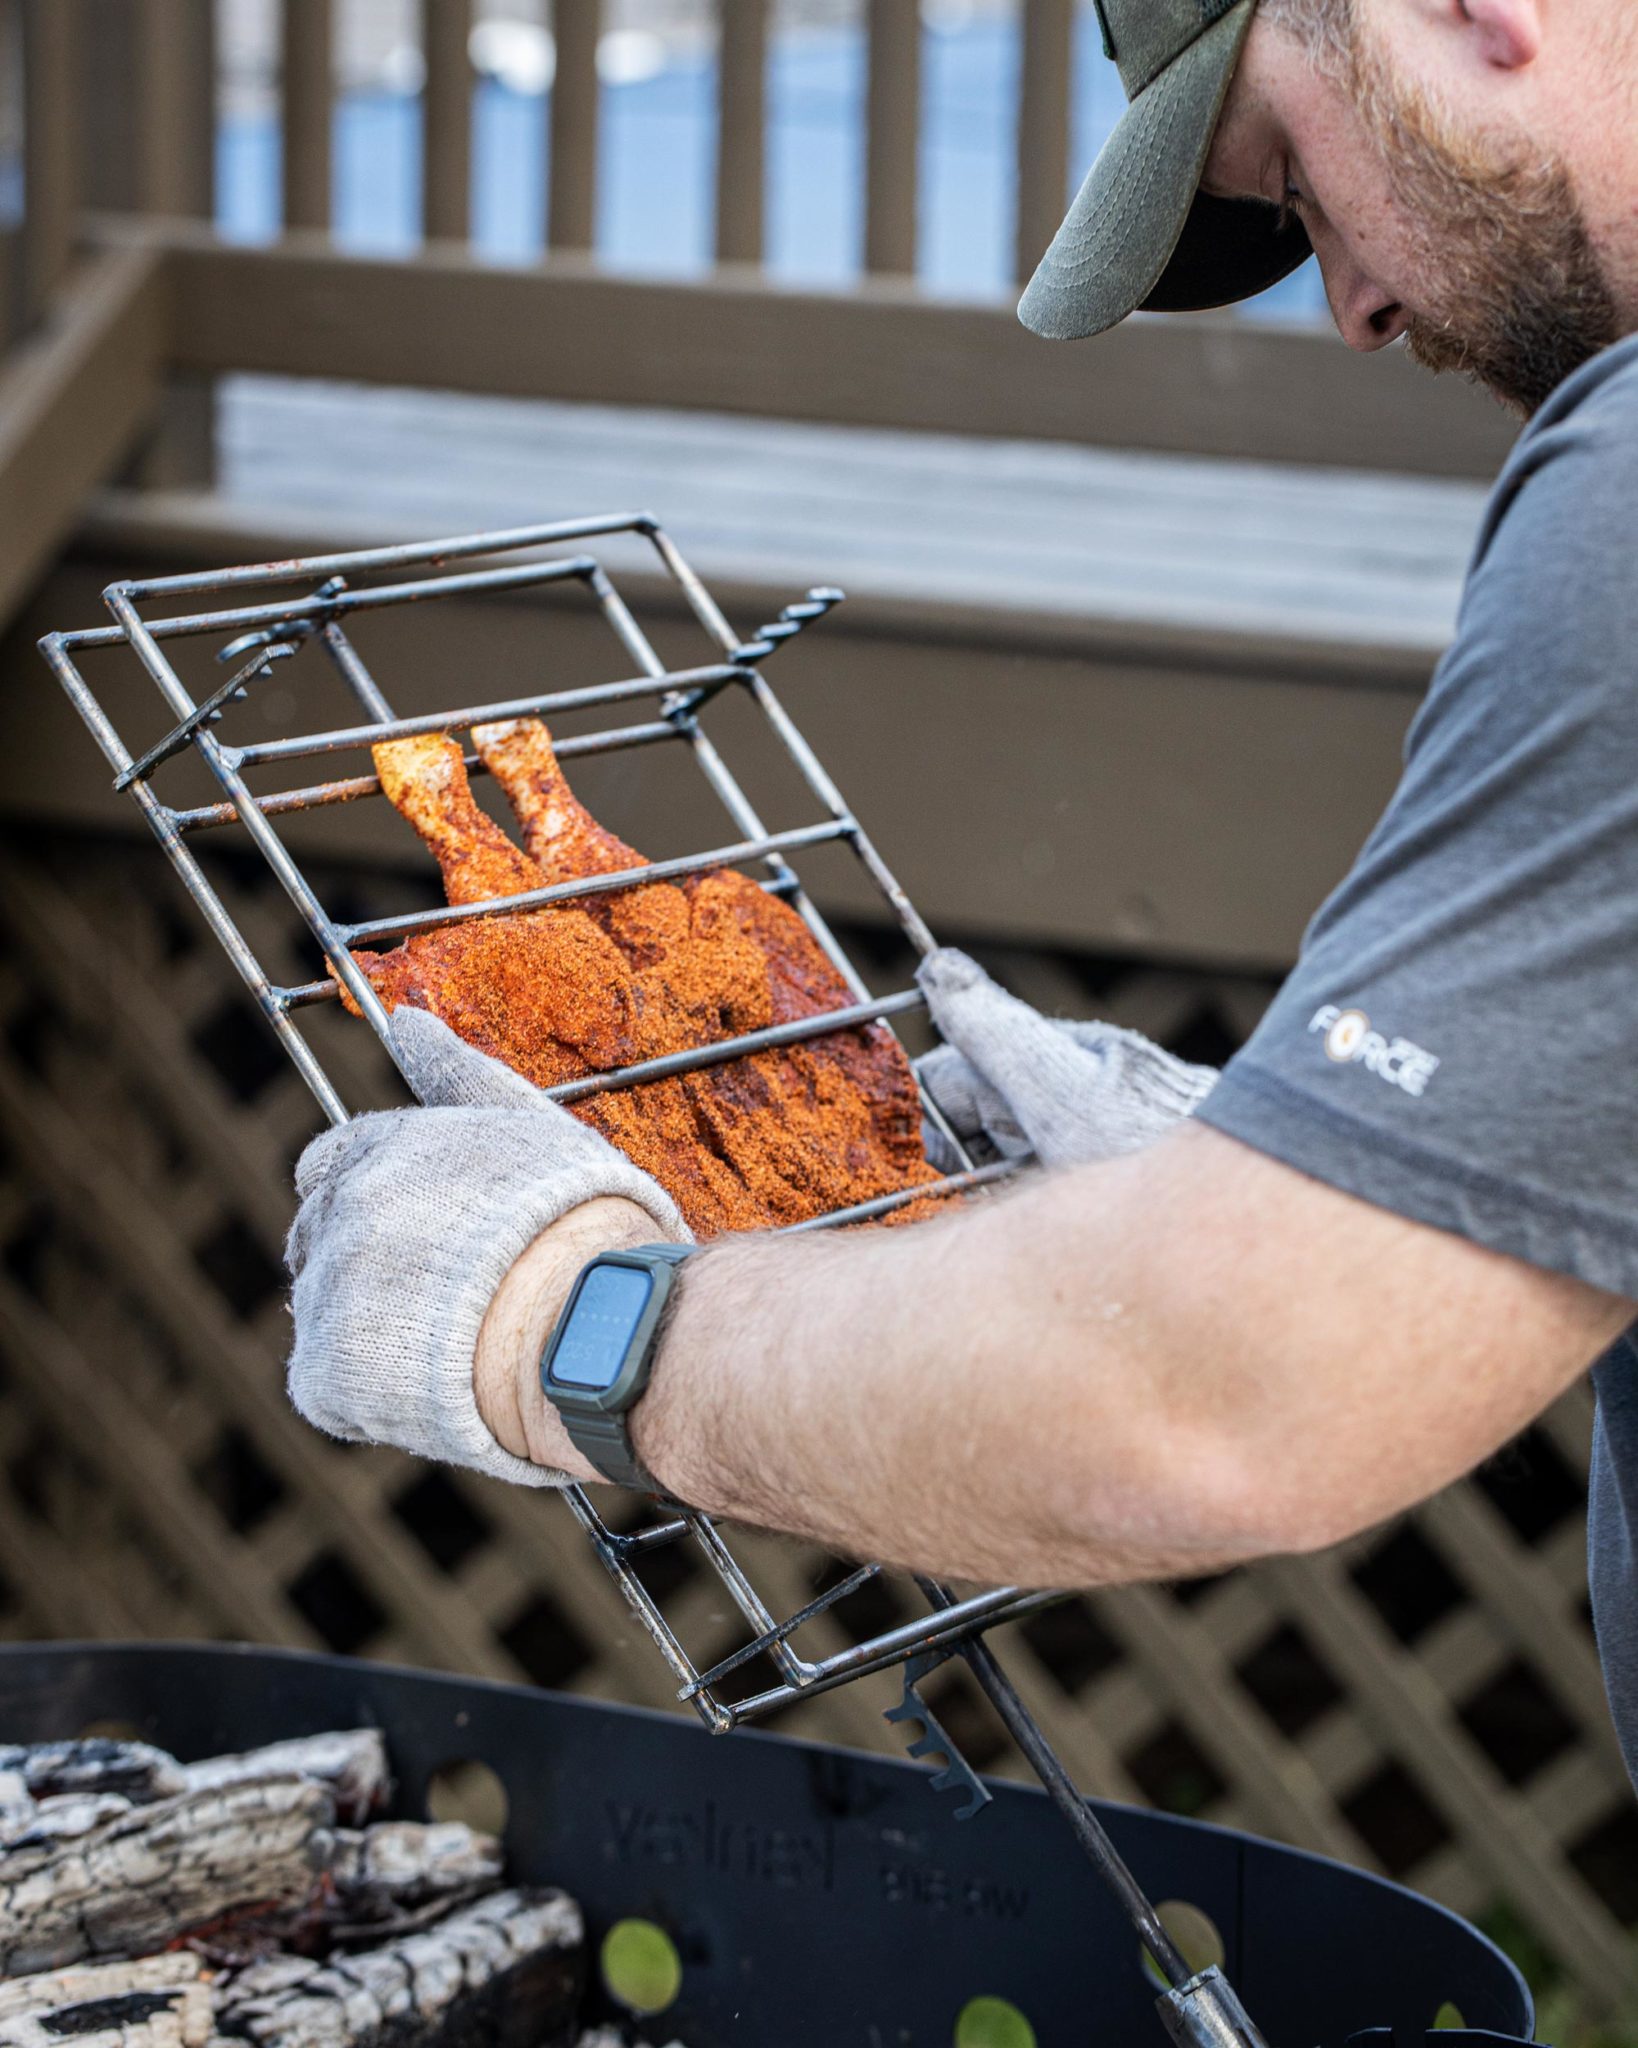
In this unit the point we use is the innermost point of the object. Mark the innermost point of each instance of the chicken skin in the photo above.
(604, 980)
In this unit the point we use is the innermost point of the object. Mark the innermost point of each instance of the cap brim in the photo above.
(1140, 232)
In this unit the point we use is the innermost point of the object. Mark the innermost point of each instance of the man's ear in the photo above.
(1508, 31)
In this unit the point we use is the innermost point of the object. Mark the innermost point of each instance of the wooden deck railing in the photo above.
(892, 125)
(119, 118)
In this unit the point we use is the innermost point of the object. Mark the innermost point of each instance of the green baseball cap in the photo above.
(1141, 233)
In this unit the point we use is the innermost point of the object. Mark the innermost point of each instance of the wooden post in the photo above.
(446, 148)
(51, 148)
(892, 137)
(1043, 129)
(306, 91)
(175, 93)
(742, 84)
(11, 110)
(109, 111)
(571, 206)
(173, 64)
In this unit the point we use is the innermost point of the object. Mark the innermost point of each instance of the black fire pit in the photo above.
(817, 1897)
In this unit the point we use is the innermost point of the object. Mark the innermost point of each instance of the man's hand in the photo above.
(1010, 1081)
(411, 1240)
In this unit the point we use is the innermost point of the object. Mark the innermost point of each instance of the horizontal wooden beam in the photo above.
(882, 355)
(73, 399)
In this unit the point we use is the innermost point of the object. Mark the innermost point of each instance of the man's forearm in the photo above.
(947, 1396)
(1154, 1366)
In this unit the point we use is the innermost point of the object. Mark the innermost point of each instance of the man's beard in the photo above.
(1522, 299)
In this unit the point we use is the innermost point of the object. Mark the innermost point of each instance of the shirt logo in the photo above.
(1349, 1040)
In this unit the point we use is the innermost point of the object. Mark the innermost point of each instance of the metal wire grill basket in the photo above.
(260, 616)
(254, 629)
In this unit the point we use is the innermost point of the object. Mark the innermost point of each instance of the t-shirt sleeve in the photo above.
(1458, 1041)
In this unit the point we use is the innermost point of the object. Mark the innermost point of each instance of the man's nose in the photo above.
(1367, 317)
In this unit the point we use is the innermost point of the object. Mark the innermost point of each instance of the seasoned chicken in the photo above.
(609, 979)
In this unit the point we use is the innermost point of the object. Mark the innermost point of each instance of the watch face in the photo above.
(607, 1310)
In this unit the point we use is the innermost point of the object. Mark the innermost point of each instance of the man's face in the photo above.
(1458, 233)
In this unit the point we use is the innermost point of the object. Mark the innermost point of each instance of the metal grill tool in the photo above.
(258, 630)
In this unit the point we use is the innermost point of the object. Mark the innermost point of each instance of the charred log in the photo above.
(401, 1875)
(35, 1822)
(157, 2002)
(133, 1771)
(352, 1763)
(146, 1876)
(390, 1880)
(505, 1973)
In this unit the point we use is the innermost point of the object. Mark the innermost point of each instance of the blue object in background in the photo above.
(656, 205)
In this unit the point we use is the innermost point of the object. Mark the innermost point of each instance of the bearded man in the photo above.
(1237, 1314)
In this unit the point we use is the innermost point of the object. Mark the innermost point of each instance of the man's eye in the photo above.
(1292, 203)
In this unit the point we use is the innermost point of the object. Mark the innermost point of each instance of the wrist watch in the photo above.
(597, 1361)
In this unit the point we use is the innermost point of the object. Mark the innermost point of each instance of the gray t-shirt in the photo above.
(1459, 1040)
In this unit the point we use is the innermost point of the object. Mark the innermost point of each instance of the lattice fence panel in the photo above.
(1424, 1702)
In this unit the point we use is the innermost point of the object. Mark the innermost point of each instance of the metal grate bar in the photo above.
(611, 884)
(408, 555)
(541, 705)
(322, 604)
(207, 817)
(289, 877)
(194, 880)
(785, 1629)
(768, 1039)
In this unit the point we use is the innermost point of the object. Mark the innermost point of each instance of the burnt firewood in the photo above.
(141, 2019)
(157, 2002)
(82, 1982)
(503, 1973)
(57, 1820)
(402, 1874)
(389, 1880)
(351, 1762)
(146, 1876)
(57, 1789)
(130, 1770)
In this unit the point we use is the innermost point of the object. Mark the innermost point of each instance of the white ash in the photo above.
(134, 1770)
(403, 1873)
(139, 1879)
(408, 1990)
(284, 1924)
(57, 1820)
(155, 2002)
(352, 1762)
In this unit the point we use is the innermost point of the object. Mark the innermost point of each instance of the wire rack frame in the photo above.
(257, 634)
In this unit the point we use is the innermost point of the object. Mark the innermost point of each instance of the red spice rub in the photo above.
(588, 986)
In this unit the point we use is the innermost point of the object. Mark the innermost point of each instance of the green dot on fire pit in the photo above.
(992, 2023)
(641, 1967)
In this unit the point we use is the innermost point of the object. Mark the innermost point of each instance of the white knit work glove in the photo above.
(409, 1221)
(1016, 1082)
